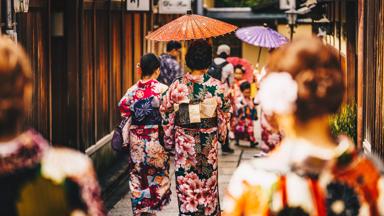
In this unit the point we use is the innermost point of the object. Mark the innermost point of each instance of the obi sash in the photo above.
(196, 114)
(146, 112)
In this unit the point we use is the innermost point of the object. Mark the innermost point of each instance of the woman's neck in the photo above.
(198, 72)
(147, 78)
(316, 132)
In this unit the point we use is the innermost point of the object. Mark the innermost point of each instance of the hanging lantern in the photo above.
(21, 6)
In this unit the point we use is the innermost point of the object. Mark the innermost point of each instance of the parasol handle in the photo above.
(258, 57)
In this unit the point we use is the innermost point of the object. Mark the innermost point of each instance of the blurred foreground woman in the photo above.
(311, 173)
(36, 180)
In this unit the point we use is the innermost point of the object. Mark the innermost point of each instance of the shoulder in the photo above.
(177, 82)
(131, 89)
(350, 158)
(249, 175)
(218, 60)
(163, 56)
(160, 88)
(228, 66)
(166, 58)
(213, 81)
(220, 87)
(58, 164)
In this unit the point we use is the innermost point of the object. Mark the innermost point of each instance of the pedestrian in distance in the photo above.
(236, 96)
(311, 172)
(149, 161)
(195, 116)
(222, 70)
(245, 114)
(271, 133)
(36, 179)
(169, 66)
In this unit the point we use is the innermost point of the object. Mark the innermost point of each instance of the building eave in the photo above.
(242, 14)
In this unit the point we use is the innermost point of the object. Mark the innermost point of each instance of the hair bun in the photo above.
(15, 79)
(199, 55)
(318, 73)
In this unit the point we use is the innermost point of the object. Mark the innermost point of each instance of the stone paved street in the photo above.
(227, 165)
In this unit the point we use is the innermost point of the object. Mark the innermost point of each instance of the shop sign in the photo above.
(287, 4)
(138, 5)
(21, 6)
(174, 6)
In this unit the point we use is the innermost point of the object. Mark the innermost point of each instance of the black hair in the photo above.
(199, 55)
(149, 63)
(171, 45)
(239, 66)
(223, 55)
(245, 85)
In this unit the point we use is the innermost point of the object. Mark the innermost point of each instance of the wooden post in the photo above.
(360, 70)
(71, 16)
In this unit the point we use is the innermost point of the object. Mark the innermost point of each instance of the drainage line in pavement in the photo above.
(241, 155)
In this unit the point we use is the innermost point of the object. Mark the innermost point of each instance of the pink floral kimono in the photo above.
(245, 114)
(235, 94)
(270, 136)
(149, 170)
(195, 116)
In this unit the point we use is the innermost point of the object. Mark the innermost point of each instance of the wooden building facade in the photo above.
(84, 55)
(356, 30)
(372, 73)
(342, 34)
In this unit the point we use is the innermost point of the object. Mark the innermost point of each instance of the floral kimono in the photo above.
(38, 180)
(235, 94)
(195, 115)
(245, 115)
(270, 136)
(301, 179)
(170, 69)
(149, 170)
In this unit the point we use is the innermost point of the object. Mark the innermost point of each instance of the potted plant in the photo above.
(345, 122)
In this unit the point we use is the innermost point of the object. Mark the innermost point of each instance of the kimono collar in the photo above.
(146, 84)
(305, 159)
(25, 151)
(197, 79)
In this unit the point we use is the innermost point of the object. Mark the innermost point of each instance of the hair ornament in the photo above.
(278, 93)
(138, 69)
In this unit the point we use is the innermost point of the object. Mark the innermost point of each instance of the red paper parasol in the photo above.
(189, 27)
(248, 75)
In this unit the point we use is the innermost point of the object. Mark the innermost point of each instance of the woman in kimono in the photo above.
(36, 179)
(271, 134)
(311, 172)
(245, 114)
(195, 116)
(235, 94)
(149, 169)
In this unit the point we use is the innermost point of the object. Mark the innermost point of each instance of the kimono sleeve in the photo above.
(243, 196)
(223, 112)
(125, 103)
(168, 119)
